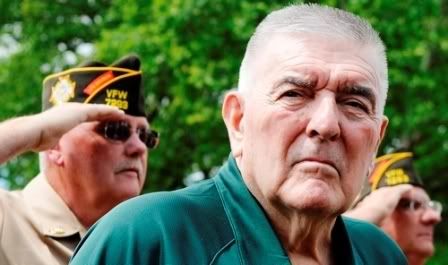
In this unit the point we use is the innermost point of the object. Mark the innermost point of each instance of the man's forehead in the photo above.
(302, 41)
(284, 48)
(137, 120)
(313, 54)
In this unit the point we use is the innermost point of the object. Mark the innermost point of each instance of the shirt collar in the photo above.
(252, 229)
(253, 232)
(53, 216)
(341, 245)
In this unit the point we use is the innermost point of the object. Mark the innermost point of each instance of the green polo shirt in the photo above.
(217, 221)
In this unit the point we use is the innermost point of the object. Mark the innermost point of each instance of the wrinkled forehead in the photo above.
(282, 49)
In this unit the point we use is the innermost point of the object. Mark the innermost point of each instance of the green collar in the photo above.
(256, 240)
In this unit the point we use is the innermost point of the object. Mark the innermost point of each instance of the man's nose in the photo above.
(135, 147)
(324, 122)
(431, 216)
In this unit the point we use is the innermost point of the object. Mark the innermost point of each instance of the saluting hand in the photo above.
(55, 122)
(42, 131)
(379, 204)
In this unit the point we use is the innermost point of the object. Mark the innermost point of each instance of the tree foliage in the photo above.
(191, 51)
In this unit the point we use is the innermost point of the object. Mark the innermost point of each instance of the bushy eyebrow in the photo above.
(296, 81)
(365, 92)
(310, 84)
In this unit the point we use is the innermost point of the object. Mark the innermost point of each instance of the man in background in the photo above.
(395, 199)
(95, 157)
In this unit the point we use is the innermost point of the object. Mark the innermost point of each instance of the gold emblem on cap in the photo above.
(396, 176)
(63, 90)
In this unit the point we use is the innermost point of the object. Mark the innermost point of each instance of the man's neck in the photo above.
(307, 240)
(84, 207)
(306, 237)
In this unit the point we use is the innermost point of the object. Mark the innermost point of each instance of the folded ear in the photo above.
(233, 114)
(54, 155)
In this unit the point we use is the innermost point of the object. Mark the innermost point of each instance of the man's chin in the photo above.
(124, 196)
(427, 249)
(129, 190)
(312, 197)
(323, 206)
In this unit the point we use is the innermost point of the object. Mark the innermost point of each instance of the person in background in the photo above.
(304, 127)
(395, 199)
(93, 158)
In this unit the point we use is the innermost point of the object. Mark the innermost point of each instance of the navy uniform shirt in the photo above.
(217, 221)
(36, 226)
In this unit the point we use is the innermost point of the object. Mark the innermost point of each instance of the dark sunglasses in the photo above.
(122, 130)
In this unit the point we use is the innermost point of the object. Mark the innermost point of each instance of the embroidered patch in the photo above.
(98, 82)
(117, 98)
(63, 90)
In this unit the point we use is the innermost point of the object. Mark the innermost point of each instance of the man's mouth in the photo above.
(129, 171)
(427, 235)
(316, 163)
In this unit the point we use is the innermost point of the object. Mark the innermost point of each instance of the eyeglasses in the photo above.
(122, 130)
(415, 205)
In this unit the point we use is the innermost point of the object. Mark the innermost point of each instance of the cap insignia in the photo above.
(63, 90)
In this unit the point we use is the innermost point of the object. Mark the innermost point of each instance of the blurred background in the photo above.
(191, 51)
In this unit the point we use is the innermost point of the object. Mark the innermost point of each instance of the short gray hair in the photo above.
(323, 20)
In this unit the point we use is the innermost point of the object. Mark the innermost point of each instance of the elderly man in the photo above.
(98, 162)
(304, 127)
(395, 200)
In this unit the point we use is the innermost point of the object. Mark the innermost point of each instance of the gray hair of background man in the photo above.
(322, 20)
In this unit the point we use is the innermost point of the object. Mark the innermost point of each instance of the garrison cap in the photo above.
(119, 85)
(390, 170)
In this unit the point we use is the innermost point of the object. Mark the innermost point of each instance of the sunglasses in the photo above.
(122, 130)
(415, 205)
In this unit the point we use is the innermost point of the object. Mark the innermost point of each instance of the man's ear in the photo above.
(384, 124)
(233, 113)
(55, 156)
(383, 128)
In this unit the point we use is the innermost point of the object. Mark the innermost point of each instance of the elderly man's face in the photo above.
(311, 123)
(413, 229)
(102, 170)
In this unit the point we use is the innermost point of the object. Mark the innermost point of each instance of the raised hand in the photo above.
(42, 131)
(379, 204)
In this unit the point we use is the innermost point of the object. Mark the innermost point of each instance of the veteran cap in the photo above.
(119, 85)
(390, 170)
